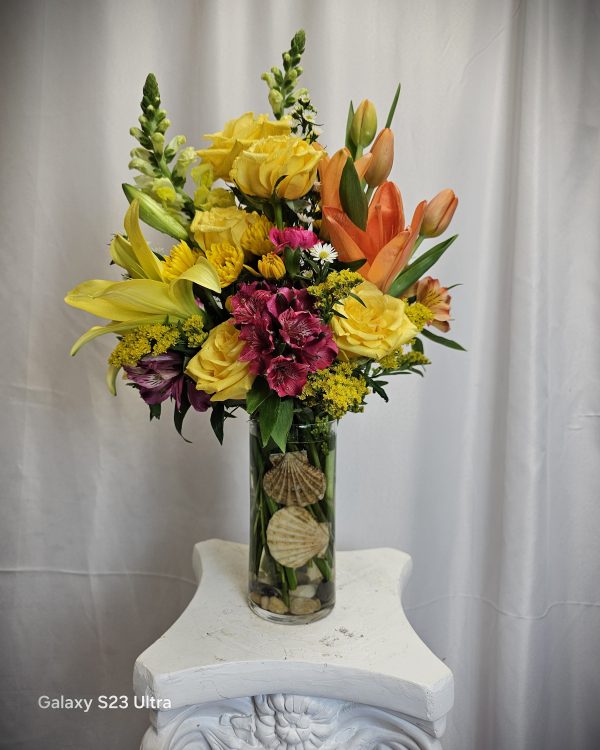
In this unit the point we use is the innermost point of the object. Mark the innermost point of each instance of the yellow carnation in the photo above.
(236, 136)
(227, 261)
(221, 225)
(217, 369)
(257, 169)
(373, 329)
(271, 266)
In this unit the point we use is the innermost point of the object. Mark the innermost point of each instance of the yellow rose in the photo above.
(221, 225)
(217, 368)
(374, 329)
(236, 136)
(257, 169)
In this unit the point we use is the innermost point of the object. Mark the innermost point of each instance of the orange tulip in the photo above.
(382, 158)
(330, 174)
(386, 244)
(439, 213)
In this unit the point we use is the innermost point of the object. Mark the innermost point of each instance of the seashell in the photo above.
(293, 480)
(300, 606)
(294, 537)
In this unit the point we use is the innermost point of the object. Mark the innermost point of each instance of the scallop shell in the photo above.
(293, 481)
(295, 537)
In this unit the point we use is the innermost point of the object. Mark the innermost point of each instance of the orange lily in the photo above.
(330, 174)
(386, 244)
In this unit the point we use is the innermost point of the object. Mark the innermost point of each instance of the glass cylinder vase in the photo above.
(292, 513)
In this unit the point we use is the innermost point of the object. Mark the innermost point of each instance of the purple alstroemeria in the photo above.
(159, 377)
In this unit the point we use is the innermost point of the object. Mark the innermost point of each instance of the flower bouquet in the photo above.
(291, 289)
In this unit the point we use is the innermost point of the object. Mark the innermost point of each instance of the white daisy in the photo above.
(323, 253)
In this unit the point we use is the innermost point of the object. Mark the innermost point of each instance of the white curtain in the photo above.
(486, 471)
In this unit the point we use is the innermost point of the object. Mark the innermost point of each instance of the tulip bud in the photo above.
(154, 214)
(439, 213)
(382, 158)
(364, 124)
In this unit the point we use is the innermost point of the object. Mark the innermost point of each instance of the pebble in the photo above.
(299, 606)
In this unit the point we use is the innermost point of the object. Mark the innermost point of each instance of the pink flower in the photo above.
(320, 353)
(259, 346)
(293, 237)
(286, 298)
(249, 304)
(298, 328)
(286, 377)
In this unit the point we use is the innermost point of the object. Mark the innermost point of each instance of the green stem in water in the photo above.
(324, 568)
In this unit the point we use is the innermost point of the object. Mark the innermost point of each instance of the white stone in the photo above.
(355, 676)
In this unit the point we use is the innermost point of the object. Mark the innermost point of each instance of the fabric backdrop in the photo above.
(486, 471)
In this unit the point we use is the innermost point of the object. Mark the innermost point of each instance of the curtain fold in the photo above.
(486, 471)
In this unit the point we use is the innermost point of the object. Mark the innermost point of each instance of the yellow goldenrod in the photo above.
(337, 390)
(152, 339)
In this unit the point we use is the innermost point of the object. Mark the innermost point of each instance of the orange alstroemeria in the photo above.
(386, 244)
(330, 174)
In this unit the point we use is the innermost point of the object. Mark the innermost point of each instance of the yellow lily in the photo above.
(148, 296)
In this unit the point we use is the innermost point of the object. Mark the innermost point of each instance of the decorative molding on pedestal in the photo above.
(361, 679)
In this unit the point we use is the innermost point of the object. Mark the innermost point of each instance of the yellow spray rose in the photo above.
(374, 329)
(222, 225)
(217, 369)
(257, 169)
(236, 136)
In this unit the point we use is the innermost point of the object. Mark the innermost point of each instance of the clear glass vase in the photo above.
(292, 513)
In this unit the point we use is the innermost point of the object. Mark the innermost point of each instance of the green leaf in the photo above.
(217, 420)
(155, 410)
(349, 144)
(443, 341)
(282, 426)
(255, 397)
(420, 266)
(357, 298)
(417, 346)
(179, 414)
(269, 412)
(390, 117)
(354, 201)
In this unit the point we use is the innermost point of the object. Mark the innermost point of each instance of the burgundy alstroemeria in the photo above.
(286, 298)
(293, 237)
(161, 377)
(286, 377)
(299, 328)
(259, 347)
(249, 304)
(319, 354)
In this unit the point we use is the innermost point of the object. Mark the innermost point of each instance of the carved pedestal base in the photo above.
(284, 722)
(223, 679)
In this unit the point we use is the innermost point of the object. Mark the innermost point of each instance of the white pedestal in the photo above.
(221, 678)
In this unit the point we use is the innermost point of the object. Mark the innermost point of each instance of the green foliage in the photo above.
(354, 201)
(419, 267)
(442, 340)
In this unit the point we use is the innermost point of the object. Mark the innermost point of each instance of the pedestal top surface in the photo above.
(365, 651)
